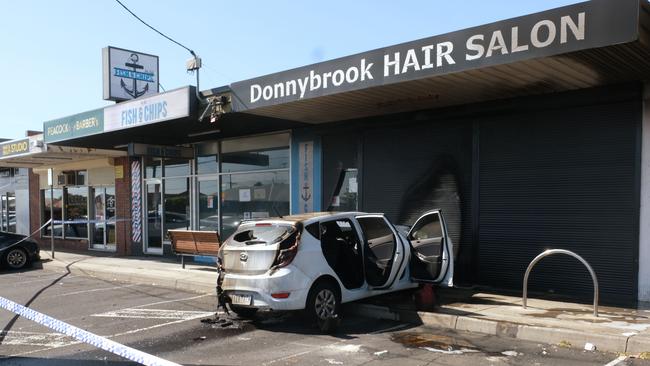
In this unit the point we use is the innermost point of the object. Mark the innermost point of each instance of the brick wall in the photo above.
(123, 206)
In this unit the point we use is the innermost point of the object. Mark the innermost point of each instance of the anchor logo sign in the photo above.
(135, 72)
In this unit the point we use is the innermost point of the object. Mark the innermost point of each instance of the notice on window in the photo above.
(119, 172)
(259, 194)
(210, 201)
(245, 195)
(353, 187)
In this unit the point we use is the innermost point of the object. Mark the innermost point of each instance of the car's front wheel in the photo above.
(16, 258)
(324, 305)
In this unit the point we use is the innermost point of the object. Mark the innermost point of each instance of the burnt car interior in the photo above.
(342, 251)
(427, 240)
(379, 249)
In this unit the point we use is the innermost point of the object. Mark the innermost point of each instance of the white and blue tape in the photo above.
(84, 336)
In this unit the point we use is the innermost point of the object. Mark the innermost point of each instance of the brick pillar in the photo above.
(123, 206)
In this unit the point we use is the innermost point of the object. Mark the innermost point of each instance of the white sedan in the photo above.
(318, 261)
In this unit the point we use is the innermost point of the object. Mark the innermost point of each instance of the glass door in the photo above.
(103, 225)
(209, 204)
(3, 213)
(153, 242)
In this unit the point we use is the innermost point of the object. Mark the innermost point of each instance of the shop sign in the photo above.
(571, 28)
(128, 74)
(78, 125)
(306, 177)
(15, 147)
(158, 108)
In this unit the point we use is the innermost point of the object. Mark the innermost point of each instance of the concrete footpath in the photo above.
(566, 324)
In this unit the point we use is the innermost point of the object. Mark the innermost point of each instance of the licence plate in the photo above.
(241, 299)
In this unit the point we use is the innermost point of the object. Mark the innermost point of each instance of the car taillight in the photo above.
(286, 256)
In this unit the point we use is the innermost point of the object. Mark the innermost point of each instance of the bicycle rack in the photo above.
(567, 252)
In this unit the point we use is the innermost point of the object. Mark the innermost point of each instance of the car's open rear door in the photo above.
(431, 255)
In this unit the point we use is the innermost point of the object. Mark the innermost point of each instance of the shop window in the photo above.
(207, 157)
(176, 167)
(8, 212)
(152, 167)
(255, 153)
(72, 178)
(76, 212)
(253, 195)
(207, 164)
(11, 212)
(52, 207)
(177, 204)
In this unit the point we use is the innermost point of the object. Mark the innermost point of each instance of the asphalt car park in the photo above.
(182, 327)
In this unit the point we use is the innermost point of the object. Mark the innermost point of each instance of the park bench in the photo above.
(194, 243)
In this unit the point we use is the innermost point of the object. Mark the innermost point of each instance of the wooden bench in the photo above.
(194, 243)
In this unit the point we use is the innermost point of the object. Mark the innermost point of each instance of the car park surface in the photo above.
(168, 324)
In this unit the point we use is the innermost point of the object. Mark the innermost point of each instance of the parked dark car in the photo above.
(17, 256)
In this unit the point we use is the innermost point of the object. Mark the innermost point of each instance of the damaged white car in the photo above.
(318, 261)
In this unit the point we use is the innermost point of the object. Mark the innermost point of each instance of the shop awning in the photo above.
(169, 118)
(584, 45)
(32, 152)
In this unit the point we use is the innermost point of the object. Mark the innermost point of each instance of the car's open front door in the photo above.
(431, 254)
(383, 252)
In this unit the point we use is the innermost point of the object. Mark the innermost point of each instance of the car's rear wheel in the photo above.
(324, 305)
(243, 312)
(16, 258)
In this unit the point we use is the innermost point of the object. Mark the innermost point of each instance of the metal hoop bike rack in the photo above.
(567, 252)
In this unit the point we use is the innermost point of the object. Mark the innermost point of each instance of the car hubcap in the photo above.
(16, 258)
(325, 304)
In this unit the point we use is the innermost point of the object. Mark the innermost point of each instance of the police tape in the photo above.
(109, 221)
(84, 336)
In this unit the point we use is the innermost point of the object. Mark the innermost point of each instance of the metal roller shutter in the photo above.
(410, 169)
(562, 178)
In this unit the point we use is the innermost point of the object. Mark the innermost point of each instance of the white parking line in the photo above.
(49, 340)
(134, 313)
(133, 331)
(618, 360)
(93, 290)
(168, 301)
(39, 280)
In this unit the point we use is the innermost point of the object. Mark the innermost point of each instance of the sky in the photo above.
(51, 52)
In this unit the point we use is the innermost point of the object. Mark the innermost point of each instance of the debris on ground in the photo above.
(380, 353)
(590, 347)
(644, 355)
(333, 362)
(510, 353)
(222, 323)
(564, 344)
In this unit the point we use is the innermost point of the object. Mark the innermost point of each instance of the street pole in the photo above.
(50, 179)
(52, 219)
